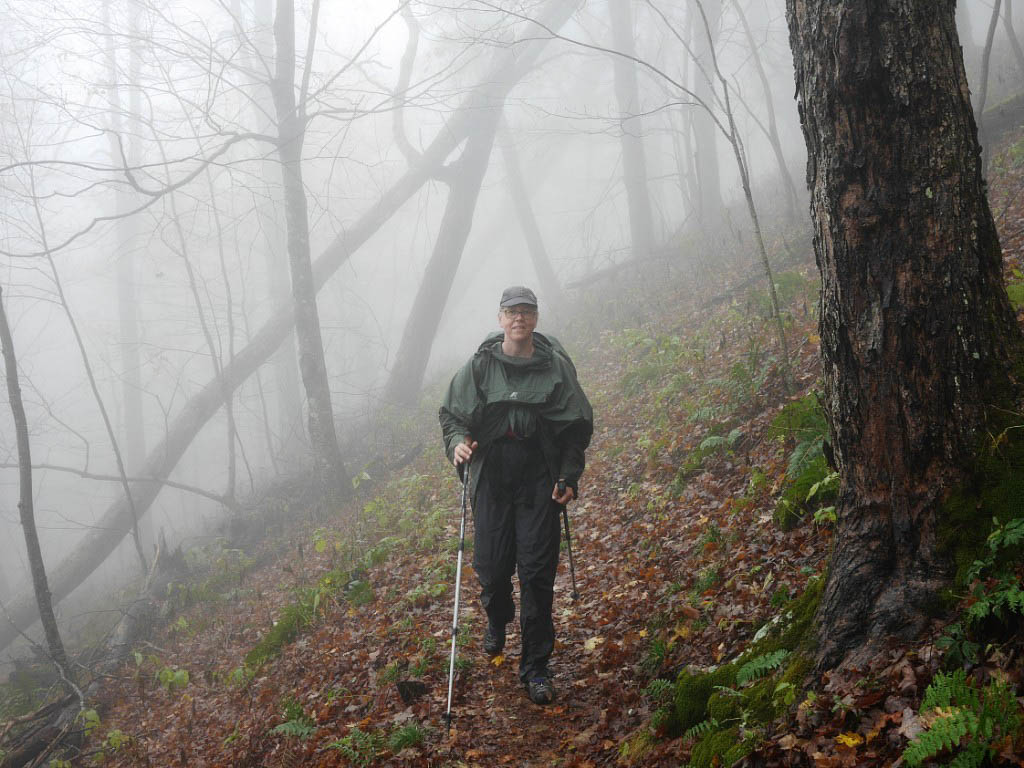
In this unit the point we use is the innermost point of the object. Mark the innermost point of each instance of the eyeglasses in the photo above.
(526, 314)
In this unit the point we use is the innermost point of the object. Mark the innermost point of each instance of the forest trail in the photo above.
(666, 578)
(679, 561)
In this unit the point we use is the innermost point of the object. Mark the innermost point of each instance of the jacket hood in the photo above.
(542, 351)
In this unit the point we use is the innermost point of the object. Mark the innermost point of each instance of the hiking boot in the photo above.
(540, 690)
(494, 639)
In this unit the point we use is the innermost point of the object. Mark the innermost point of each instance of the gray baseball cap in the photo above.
(517, 294)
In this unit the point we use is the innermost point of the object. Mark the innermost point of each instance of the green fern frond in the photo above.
(986, 716)
(971, 757)
(948, 690)
(945, 733)
(299, 729)
(761, 666)
(659, 690)
(701, 728)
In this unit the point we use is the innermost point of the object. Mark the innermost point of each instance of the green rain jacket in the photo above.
(494, 392)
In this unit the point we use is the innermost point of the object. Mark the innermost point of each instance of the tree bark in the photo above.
(916, 328)
(634, 158)
(44, 600)
(108, 531)
(329, 468)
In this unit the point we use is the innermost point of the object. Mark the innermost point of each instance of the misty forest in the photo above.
(247, 248)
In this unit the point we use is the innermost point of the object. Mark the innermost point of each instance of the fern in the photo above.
(700, 729)
(761, 666)
(987, 715)
(947, 690)
(659, 690)
(299, 729)
(945, 733)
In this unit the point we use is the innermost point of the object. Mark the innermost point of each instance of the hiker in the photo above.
(516, 413)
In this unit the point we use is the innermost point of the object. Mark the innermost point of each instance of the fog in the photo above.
(141, 171)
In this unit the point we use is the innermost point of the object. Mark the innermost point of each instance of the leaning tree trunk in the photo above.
(106, 533)
(915, 324)
(467, 175)
(549, 285)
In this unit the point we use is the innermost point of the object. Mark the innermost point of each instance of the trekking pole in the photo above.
(568, 540)
(458, 589)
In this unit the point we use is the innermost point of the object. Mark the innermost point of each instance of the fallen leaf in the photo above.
(850, 739)
(593, 642)
(498, 660)
(911, 726)
(787, 742)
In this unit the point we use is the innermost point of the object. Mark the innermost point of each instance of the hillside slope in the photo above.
(704, 515)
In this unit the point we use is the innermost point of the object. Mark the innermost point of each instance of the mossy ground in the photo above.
(734, 712)
(994, 491)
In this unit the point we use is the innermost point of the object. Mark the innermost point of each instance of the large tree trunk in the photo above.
(107, 532)
(329, 468)
(916, 328)
(634, 159)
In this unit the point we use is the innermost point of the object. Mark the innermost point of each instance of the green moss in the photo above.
(724, 707)
(636, 747)
(994, 490)
(801, 420)
(793, 632)
(759, 702)
(1015, 291)
(294, 618)
(299, 614)
(692, 693)
(725, 745)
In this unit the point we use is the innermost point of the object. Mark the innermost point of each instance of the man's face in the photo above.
(518, 322)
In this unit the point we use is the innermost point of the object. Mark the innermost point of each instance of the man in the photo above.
(517, 416)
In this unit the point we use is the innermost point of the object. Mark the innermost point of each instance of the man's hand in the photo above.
(564, 497)
(464, 450)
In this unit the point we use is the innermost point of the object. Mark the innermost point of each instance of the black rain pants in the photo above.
(516, 527)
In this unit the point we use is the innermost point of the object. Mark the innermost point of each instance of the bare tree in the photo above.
(44, 600)
(771, 131)
(291, 126)
(99, 541)
(1011, 34)
(702, 30)
(127, 298)
(982, 96)
(631, 137)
